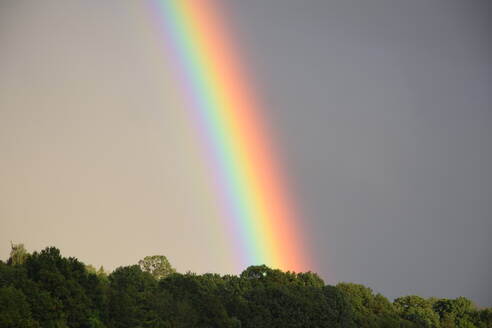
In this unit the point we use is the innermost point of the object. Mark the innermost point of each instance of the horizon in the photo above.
(90, 266)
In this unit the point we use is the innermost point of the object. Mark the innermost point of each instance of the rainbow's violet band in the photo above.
(252, 190)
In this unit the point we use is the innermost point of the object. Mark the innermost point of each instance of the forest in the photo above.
(45, 289)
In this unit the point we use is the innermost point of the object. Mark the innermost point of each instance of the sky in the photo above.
(381, 111)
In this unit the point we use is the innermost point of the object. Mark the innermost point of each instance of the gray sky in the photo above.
(383, 111)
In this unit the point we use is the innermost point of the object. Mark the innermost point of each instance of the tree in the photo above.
(338, 308)
(18, 254)
(371, 310)
(418, 310)
(129, 296)
(76, 294)
(90, 268)
(459, 312)
(195, 301)
(157, 265)
(14, 309)
(485, 318)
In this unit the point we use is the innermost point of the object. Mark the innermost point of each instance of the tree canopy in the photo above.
(157, 265)
(45, 289)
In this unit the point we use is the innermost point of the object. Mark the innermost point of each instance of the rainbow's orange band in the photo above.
(228, 115)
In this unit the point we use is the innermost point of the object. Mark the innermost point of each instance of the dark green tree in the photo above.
(130, 291)
(371, 310)
(15, 310)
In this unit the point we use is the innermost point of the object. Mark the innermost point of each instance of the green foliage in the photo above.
(484, 318)
(418, 310)
(372, 310)
(129, 294)
(157, 265)
(18, 254)
(14, 309)
(45, 289)
(460, 313)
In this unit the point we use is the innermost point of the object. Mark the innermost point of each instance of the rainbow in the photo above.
(249, 181)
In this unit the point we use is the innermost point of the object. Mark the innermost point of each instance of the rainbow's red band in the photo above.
(228, 115)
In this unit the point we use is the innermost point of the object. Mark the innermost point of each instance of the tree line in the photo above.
(45, 289)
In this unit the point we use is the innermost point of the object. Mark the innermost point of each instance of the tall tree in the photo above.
(18, 254)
